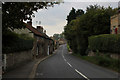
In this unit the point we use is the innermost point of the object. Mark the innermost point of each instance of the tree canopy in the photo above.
(58, 36)
(13, 16)
(14, 13)
(73, 14)
(95, 21)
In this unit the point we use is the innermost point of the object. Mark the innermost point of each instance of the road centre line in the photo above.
(81, 74)
(63, 56)
(69, 64)
(73, 68)
(64, 59)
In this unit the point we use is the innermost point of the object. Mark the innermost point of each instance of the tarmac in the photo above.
(25, 71)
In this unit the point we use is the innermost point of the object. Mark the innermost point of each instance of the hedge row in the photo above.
(13, 42)
(105, 43)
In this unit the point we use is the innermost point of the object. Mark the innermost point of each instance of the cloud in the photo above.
(54, 18)
(91, 0)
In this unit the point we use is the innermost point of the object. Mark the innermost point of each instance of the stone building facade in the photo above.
(43, 45)
(115, 24)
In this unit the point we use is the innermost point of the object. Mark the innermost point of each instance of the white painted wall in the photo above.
(48, 50)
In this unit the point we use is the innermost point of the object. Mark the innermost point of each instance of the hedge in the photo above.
(105, 43)
(13, 42)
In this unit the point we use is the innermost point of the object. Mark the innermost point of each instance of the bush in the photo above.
(13, 42)
(105, 43)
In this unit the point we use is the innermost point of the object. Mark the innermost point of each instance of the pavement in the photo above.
(64, 65)
(25, 71)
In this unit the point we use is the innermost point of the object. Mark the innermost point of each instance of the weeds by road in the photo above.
(103, 61)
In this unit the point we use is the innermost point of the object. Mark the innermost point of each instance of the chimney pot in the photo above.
(45, 31)
(40, 28)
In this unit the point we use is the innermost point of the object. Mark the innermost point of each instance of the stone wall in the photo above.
(51, 47)
(115, 23)
(13, 60)
(112, 55)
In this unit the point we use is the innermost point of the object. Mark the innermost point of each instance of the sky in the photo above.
(53, 19)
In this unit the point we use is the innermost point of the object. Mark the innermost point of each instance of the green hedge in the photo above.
(105, 43)
(12, 42)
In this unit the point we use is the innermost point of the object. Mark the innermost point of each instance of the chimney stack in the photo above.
(29, 22)
(45, 31)
(40, 28)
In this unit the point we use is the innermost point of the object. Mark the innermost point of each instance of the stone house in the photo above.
(61, 41)
(115, 24)
(43, 45)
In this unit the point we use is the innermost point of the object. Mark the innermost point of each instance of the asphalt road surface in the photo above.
(65, 65)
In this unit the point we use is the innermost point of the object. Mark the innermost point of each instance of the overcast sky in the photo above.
(53, 19)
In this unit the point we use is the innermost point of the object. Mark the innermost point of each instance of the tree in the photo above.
(70, 30)
(14, 13)
(95, 21)
(98, 19)
(56, 36)
(73, 14)
(79, 12)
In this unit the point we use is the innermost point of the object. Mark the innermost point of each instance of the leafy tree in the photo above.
(56, 36)
(79, 12)
(98, 19)
(95, 21)
(70, 33)
(14, 13)
(73, 14)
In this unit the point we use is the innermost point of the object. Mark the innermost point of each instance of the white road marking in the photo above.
(63, 56)
(64, 59)
(81, 74)
(72, 67)
(69, 64)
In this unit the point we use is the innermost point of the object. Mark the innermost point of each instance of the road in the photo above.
(65, 65)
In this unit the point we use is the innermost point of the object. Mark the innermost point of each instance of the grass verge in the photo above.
(103, 61)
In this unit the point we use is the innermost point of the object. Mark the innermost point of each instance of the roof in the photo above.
(36, 32)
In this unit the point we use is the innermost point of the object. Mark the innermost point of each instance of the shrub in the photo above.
(13, 42)
(105, 43)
